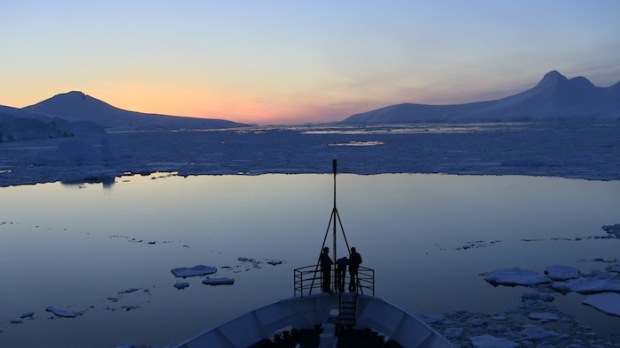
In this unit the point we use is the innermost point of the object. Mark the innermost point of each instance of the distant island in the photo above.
(554, 98)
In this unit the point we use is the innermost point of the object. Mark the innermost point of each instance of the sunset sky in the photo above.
(298, 61)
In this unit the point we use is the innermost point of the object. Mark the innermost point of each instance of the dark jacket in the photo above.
(326, 262)
(355, 261)
(341, 263)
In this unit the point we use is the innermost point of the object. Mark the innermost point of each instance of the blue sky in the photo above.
(298, 61)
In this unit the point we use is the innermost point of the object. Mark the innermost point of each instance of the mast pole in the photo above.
(335, 215)
(335, 168)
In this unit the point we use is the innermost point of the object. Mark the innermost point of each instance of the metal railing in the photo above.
(308, 279)
(366, 280)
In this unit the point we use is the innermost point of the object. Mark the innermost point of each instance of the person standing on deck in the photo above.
(326, 266)
(355, 259)
(341, 272)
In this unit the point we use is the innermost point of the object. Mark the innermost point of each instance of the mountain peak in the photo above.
(71, 105)
(554, 75)
(552, 79)
(71, 96)
(74, 94)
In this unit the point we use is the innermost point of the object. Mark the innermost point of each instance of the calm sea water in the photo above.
(80, 247)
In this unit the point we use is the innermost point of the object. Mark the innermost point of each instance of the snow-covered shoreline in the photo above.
(577, 150)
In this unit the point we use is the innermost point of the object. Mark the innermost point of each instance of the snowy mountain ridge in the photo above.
(555, 97)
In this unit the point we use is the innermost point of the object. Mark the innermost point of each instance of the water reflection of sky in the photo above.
(74, 246)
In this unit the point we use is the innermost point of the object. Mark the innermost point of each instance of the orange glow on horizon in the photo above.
(198, 101)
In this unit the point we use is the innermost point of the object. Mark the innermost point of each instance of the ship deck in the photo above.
(312, 338)
(313, 321)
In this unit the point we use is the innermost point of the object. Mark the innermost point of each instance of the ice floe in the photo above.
(559, 272)
(543, 316)
(606, 302)
(515, 328)
(613, 230)
(181, 285)
(218, 281)
(605, 284)
(588, 285)
(246, 263)
(537, 333)
(61, 312)
(129, 291)
(516, 276)
(128, 308)
(201, 270)
(198, 270)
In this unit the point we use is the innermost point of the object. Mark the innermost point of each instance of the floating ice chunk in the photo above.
(129, 291)
(198, 270)
(27, 315)
(60, 312)
(359, 143)
(218, 281)
(615, 268)
(489, 341)
(543, 317)
(588, 285)
(613, 230)
(516, 276)
(181, 285)
(537, 333)
(253, 262)
(607, 302)
(559, 272)
(246, 259)
(129, 308)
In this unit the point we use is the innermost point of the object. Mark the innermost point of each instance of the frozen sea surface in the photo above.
(569, 150)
